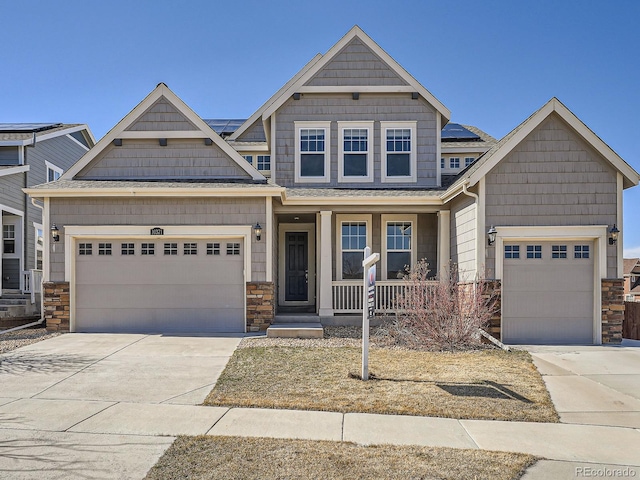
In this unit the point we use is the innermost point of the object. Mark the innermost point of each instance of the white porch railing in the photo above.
(32, 281)
(347, 296)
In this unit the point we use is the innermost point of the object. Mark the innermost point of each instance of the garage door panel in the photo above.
(569, 331)
(160, 293)
(555, 304)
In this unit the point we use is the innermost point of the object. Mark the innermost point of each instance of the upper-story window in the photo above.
(312, 152)
(53, 172)
(442, 162)
(249, 158)
(468, 161)
(399, 158)
(355, 156)
(263, 162)
(10, 156)
(454, 162)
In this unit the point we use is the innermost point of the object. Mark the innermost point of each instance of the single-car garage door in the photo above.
(167, 286)
(548, 295)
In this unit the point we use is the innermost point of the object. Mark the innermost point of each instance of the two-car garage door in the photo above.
(166, 286)
(548, 292)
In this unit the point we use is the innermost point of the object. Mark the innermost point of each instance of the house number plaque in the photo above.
(157, 231)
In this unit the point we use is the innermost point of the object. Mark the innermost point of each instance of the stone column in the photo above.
(325, 304)
(612, 309)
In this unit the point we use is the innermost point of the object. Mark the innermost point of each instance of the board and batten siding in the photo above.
(369, 107)
(161, 116)
(552, 178)
(181, 158)
(158, 212)
(356, 64)
(463, 236)
(255, 133)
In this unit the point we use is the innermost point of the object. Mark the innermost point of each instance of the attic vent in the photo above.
(163, 142)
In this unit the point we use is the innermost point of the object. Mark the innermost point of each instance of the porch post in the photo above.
(444, 239)
(325, 306)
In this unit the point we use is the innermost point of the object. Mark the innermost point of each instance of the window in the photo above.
(354, 233)
(85, 249)
(104, 249)
(9, 238)
(581, 251)
(454, 162)
(312, 152)
(213, 249)
(264, 162)
(128, 249)
(468, 161)
(512, 251)
(233, 249)
(10, 156)
(171, 249)
(398, 245)
(558, 251)
(248, 158)
(53, 172)
(190, 248)
(442, 163)
(398, 151)
(39, 231)
(355, 158)
(534, 251)
(148, 249)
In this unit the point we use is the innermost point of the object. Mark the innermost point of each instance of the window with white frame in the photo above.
(468, 161)
(53, 172)
(442, 162)
(534, 251)
(148, 249)
(454, 162)
(39, 244)
(312, 152)
(512, 251)
(558, 251)
(399, 157)
(355, 156)
(9, 238)
(263, 162)
(104, 249)
(581, 251)
(398, 245)
(248, 158)
(354, 233)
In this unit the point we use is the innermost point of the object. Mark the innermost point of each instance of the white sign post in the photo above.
(368, 304)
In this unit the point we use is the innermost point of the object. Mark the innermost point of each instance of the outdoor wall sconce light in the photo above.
(492, 235)
(55, 233)
(258, 229)
(613, 235)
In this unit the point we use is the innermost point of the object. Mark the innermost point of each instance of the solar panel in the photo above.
(455, 131)
(224, 125)
(26, 127)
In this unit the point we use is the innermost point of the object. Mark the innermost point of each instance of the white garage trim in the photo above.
(73, 233)
(597, 233)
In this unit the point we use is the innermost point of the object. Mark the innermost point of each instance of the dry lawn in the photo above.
(483, 384)
(200, 458)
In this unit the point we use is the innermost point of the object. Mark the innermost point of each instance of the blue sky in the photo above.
(492, 63)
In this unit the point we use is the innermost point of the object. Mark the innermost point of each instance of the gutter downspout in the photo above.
(37, 322)
(477, 202)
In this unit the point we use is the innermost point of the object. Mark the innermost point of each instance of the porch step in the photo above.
(295, 330)
(296, 318)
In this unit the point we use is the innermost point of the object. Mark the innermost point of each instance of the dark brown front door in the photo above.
(297, 267)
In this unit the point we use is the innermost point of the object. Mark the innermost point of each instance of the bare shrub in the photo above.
(440, 315)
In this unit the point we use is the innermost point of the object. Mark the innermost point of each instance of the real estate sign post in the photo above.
(368, 304)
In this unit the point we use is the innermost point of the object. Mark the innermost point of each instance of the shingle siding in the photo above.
(356, 64)
(162, 116)
(370, 107)
(553, 178)
(255, 133)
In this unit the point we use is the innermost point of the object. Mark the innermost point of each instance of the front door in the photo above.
(297, 267)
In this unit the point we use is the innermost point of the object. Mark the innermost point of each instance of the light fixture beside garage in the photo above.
(55, 233)
(257, 228)
(613, 235)
(492, 235)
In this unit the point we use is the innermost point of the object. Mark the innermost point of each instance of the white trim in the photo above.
(481, 242)
(356, 32)
(175, 134)
(73, 233)
(36, 227)
(397, 217)
(444, 240)
(368, 126)
(80, 144)
(596, 233)
(268, 234)
(248, 149)
(274, 149)
(361, 217)
(55, 169)
(11, 210)
(438, 150)
(454, 150)
(41, 136)
(310, 125)
(322, 89)
(14, 170)
(155, 192)
(46, 263)
(310, 229)
(413, 154)
(161, 91)
(619, 216)
(324, 259)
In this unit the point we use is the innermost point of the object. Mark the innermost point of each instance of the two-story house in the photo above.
(631, 275)
(167, 226)
(30, 154)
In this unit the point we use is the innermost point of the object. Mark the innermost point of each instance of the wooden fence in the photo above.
(631, 322)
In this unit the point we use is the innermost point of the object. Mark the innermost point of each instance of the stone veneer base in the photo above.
(56, 306)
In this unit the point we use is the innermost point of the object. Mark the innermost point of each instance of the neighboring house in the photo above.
(30, 154)
(631, 274)
(167, 226)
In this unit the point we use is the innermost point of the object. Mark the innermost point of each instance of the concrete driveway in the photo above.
(79, 405)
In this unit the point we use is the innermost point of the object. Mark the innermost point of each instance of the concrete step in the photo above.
(12, 301)
(295, 330)
(296, 318)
